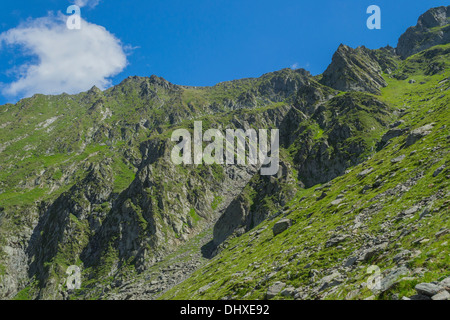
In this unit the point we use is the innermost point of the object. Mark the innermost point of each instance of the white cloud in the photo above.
(68, 61)
(297, 65)
(90, 3)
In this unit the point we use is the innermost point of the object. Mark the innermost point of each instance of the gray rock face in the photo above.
(398, 159)
(391, 278)
(240, 215)
(438, 170)
(353, 70)
(332, 280)
(422, 36)
(281, 226)
(444, 295)
(428, 289)
(16, 258)
(321, 160)
(411, 210)
(396, 124)
(283, 84)
(373, 251)
(233, 217)
(311, 96)
(288, 292)
(446, 282)
(418, 134)
(435, 17)
(439, 234)
(274, 289)
(391, 134)
(365, 172)
(350, 261)
(401, 256)
(334, 240)
(433, 291)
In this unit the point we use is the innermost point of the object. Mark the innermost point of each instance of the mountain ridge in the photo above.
(87, 180)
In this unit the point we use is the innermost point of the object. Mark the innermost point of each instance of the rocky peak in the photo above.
(284, 82)
(435, 17)
(433, 28)
(353, 70)
(159, 81)
(94, 90)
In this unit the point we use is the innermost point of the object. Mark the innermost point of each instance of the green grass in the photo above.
(79, 140)
(239, 270)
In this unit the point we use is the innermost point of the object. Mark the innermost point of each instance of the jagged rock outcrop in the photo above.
(353, 70)
(433, 28)
(341, 144)
(250, 208)
(311, 96)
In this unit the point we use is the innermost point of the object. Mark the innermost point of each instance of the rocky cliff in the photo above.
(433, 28)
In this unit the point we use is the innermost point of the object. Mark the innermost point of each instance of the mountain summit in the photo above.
(433, 28)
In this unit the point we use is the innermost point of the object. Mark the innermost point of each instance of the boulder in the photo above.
(428, 289)
(281, 226)
(443, 295)
(332, 280)
(274, 289)
(418, 134)
(438, 170)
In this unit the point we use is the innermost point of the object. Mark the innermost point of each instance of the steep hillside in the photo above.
(391, 211)
(88, 180)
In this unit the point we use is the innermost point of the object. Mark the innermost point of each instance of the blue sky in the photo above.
(196, 42)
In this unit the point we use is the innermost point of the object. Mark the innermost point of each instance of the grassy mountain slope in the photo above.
(80, 167)
(397, 202)
(87, 180)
